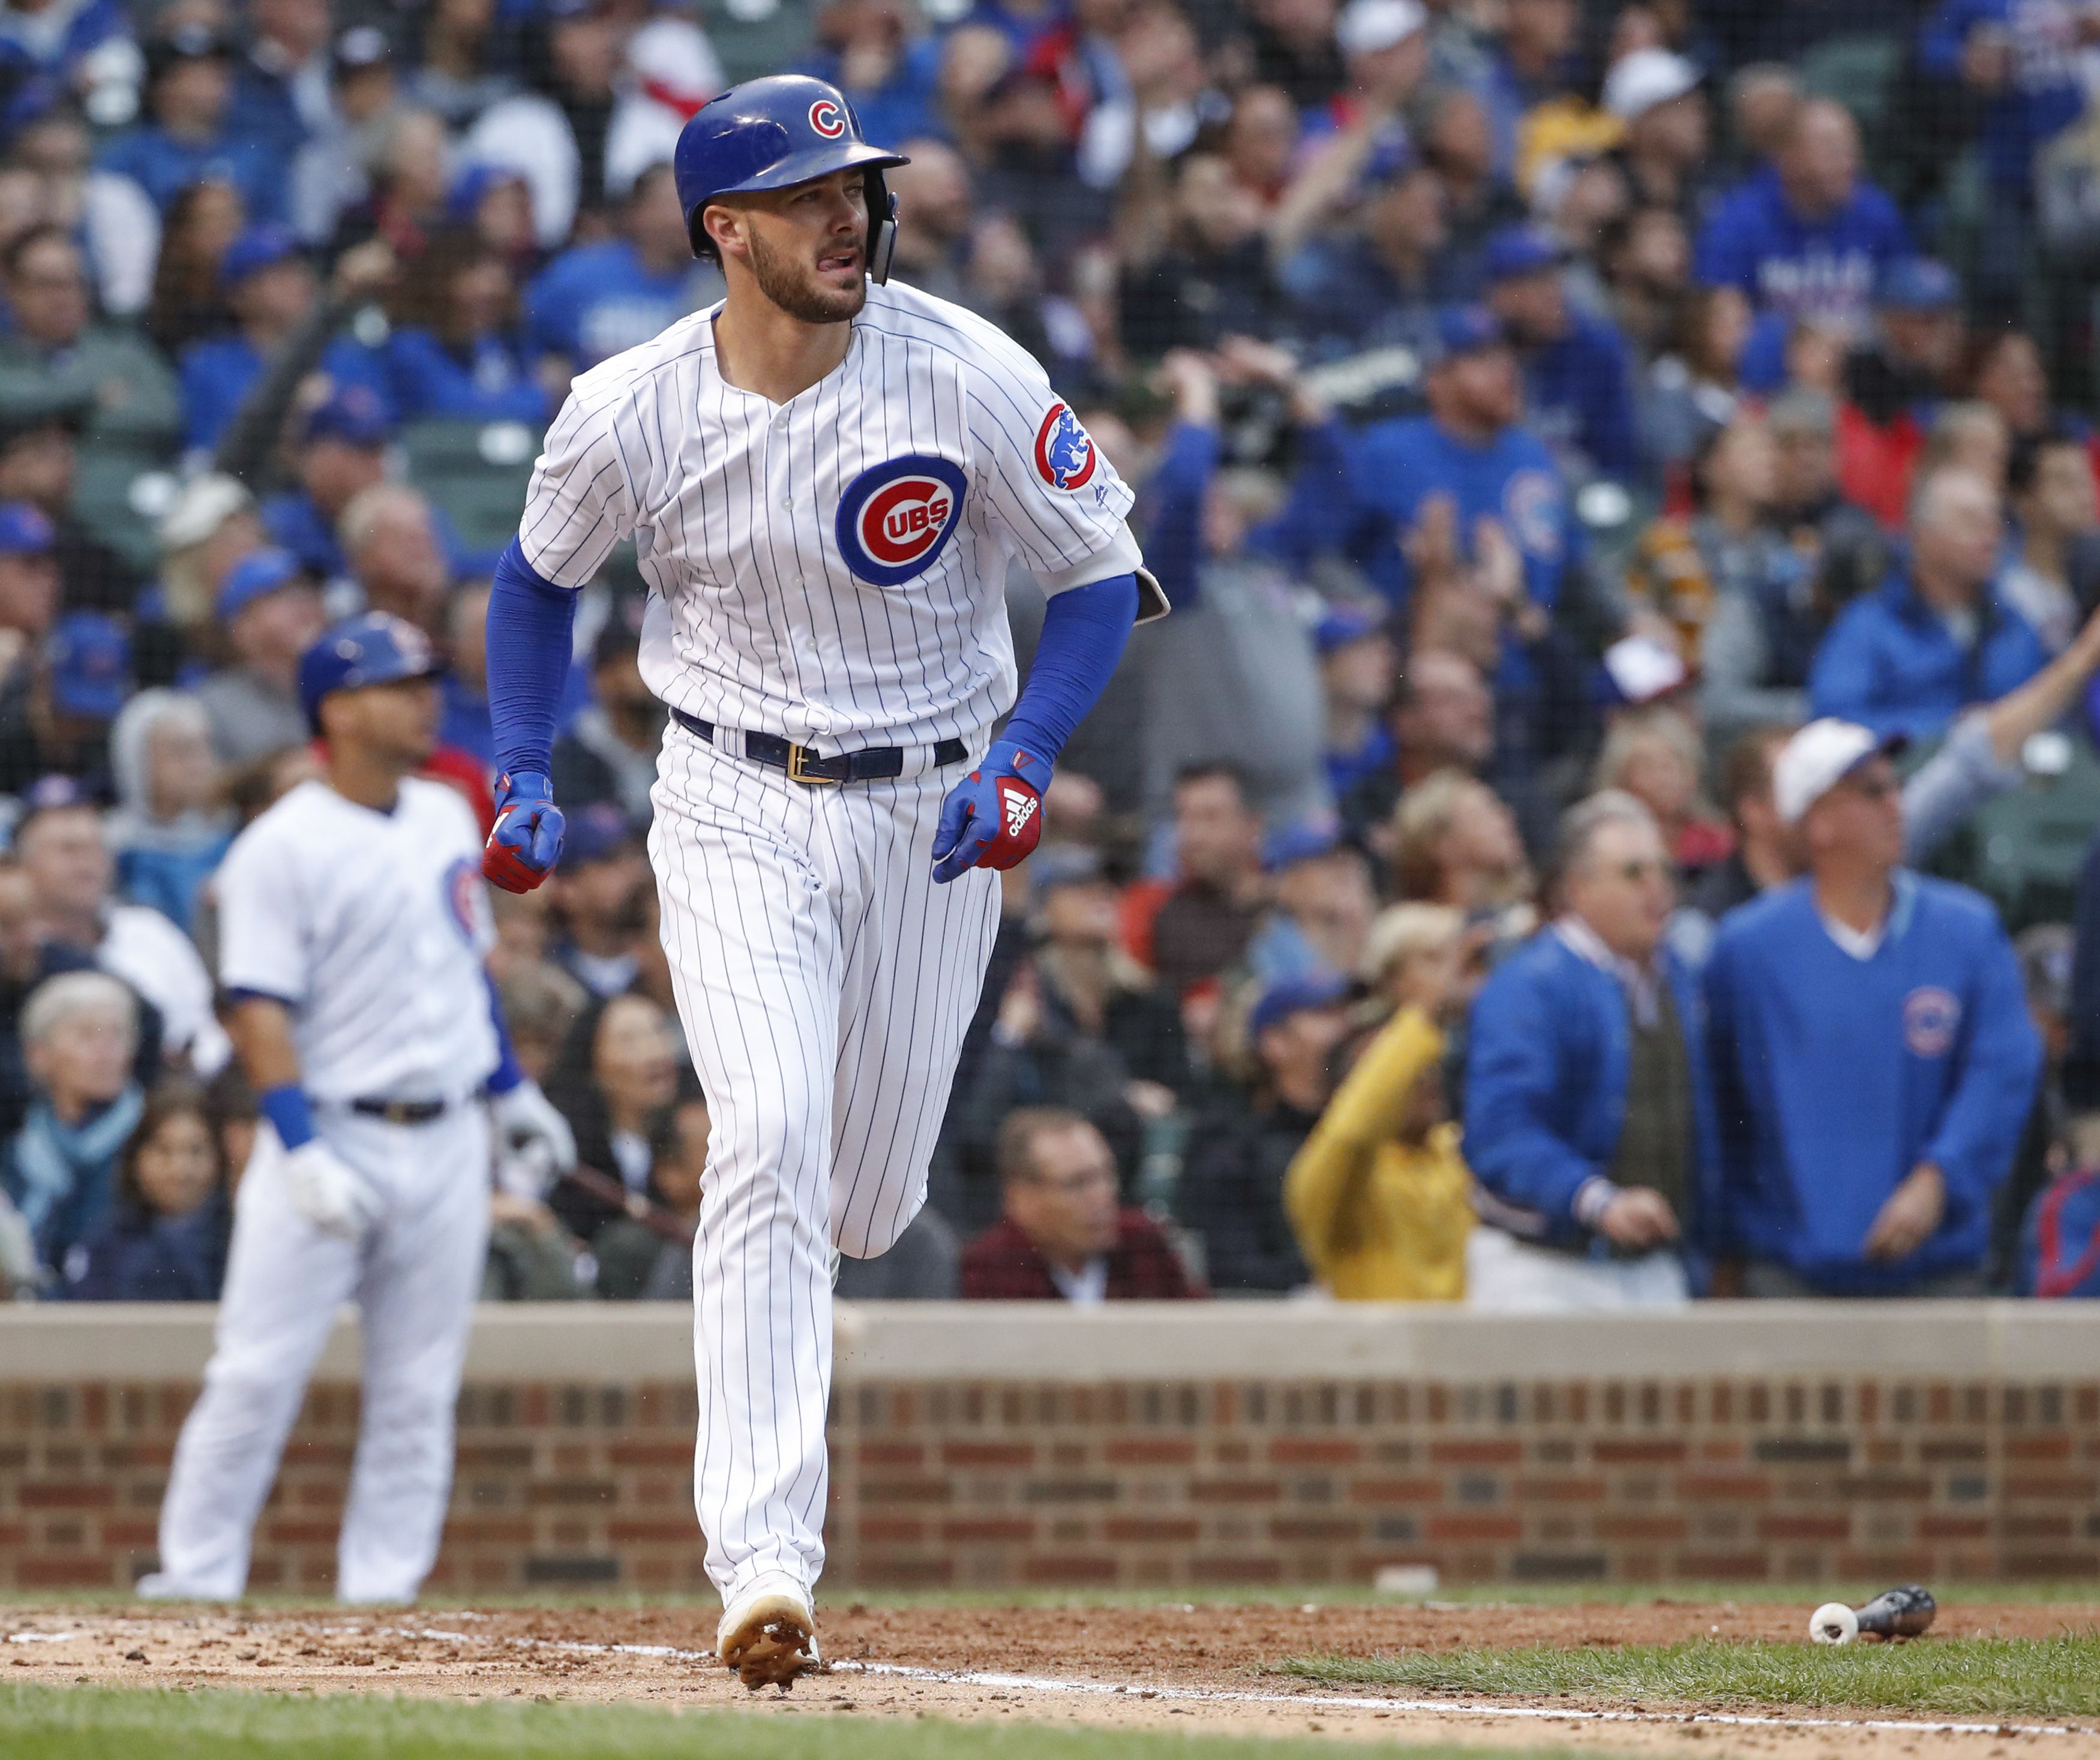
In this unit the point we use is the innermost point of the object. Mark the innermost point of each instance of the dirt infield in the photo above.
(1174, 1666)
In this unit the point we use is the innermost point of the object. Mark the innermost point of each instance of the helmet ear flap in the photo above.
(881, 227)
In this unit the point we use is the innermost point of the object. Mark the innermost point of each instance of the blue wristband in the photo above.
(289, 1113)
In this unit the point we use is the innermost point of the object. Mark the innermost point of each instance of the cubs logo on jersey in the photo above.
(1065, 455)
(896, 518)
(469, 901)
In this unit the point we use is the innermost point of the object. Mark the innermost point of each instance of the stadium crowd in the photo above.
(1625, 480)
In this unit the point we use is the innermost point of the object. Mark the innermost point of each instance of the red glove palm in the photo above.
(993, 818)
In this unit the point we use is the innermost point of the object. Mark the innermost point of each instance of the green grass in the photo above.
(101, 1723)
(1983, 1676)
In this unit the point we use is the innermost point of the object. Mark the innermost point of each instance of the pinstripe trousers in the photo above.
(825, 983)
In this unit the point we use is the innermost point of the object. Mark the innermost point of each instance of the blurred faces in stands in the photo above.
(1385, 47)
(1819, 157)
(1762, 100)
(1475, 393)
(1293, 1034)
(1059, 1185)
(1261, 140)
(1404, 221)
(392, 547)
(38, 462)
(47, 289)
(2005, 371)
(1956, 528)
(935, 190)
(1444, 715)
(79, 1033)
(273, 614)
(28, 577)
(1854, 832)
(1969, 436)
(634, 1061)
(1217, 835)
(61, 850)
(1455, 843)
(1804, 428)
(1621, 883)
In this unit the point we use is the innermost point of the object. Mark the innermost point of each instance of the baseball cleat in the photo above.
(768, 1636)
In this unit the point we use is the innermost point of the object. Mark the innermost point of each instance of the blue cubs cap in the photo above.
(353, 415)
(1465, 330)
(1293, 995)
(776, 132)
(53, 794)
(255, 576)
(1341, 624)
(25, 531)
(474, 181)
(1918, 284)
(1517, 251)
(596, 833)
(262, 246)
(91, 662)
(1301, 840)
(374, 648)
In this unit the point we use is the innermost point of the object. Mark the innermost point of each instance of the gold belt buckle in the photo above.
(799, 756)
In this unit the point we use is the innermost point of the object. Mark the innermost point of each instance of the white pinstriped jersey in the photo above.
(373, 928)
(832, 568)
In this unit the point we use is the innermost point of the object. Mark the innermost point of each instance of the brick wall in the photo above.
(1273, 1446)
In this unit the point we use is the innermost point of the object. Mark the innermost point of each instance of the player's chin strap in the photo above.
(882, 228)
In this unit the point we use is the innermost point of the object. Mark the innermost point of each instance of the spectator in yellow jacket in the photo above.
(1379, 1195)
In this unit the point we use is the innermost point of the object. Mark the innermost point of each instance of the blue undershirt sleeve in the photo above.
(530, 621)
(1084, 630)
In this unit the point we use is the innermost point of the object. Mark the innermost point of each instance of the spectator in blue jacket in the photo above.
(1577, 370)
(165, 1237)
(189, 92)
(1589, 1124)
(595, 300)
(457, 352)
(1938, 636)
(1806, 237)
(1470, 447)
(271, 287)
(1873, 1060)
(53, 40)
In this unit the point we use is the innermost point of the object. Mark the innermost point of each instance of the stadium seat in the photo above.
(2025, 849)
(476, 472)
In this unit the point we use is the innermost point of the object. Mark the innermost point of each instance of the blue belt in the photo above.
(871, 764)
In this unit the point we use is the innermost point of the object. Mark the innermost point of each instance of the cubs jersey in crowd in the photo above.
(831, 568)
(373, 928)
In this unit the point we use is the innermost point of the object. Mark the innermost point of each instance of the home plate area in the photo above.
(1259, 1669)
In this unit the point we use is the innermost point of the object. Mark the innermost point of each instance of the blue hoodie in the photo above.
(1834, 1077)
(2044, 95)
(1547, 1061)
(1784, 262)
(1579, 390)
(1891, 664)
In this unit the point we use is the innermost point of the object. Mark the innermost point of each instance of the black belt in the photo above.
(403, 1111)
(872, 764)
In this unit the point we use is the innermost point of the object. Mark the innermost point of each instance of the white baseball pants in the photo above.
(825, 983)
(414, 1277)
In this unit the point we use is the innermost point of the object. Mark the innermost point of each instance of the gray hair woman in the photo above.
(171, 826)
(80, 1031)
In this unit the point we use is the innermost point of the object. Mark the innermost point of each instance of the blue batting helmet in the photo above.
(772, 133)
(375, 648)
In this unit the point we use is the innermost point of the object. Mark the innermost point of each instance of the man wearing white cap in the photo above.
(1385, 47)
(1872, 1058)
(1658, 97)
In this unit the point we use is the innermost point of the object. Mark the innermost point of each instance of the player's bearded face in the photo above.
(809, 256)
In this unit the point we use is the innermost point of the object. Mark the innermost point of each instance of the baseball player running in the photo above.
(353, 925)
(824, 479)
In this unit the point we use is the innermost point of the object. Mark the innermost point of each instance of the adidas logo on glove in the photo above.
(1019, 809)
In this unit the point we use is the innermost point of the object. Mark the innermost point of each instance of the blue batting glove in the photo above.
(526, 840)
(993, 818)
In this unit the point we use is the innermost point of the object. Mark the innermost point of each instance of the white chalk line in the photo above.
(1052, 1684)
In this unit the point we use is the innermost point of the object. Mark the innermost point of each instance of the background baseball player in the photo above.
(824, 483)
(353, 925)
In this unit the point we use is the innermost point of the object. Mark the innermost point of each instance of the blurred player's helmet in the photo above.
(772, 133)
(375, 648)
